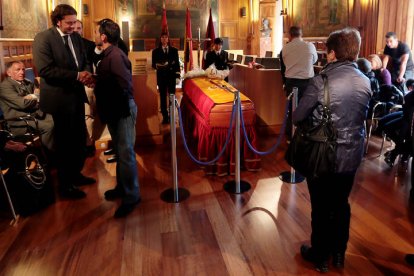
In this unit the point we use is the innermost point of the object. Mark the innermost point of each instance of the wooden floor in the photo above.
(212, 232)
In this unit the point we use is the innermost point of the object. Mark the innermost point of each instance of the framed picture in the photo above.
(320, 18)
(24, 18)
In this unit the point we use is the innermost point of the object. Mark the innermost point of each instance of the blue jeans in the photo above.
(123, 138)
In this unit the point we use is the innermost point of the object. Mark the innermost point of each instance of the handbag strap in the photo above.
(326, 99)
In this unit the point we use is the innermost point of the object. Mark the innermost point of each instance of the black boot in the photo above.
(308, 255)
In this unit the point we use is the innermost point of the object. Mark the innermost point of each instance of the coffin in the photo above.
(206, 109)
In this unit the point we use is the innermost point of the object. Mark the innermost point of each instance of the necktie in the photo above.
(66, 38)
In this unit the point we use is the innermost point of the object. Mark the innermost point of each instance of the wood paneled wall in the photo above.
(98, 9)
(396, 16)
(374, 18)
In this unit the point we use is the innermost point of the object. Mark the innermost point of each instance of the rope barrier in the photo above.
(279, 139)
(202, 163)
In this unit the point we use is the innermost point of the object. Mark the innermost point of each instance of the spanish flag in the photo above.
(164, 25)
(209, 34)
(188, 44)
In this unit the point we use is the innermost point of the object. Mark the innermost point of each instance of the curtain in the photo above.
(363, 15)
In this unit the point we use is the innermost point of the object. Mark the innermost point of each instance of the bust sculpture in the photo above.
(265, 30)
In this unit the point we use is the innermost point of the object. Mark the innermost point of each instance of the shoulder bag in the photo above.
(312, 151)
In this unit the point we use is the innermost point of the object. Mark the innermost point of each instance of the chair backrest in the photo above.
(29, 74)
(226, 45)
(269, 54)
(247, 59)
(231, 56)
(259, 60)
(239, 58)
(271, 63)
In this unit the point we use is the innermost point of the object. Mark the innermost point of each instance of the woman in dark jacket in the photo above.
(350, 93)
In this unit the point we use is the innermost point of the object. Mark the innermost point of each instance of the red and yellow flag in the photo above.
(209, 34)
(188, 44)
(164, 24)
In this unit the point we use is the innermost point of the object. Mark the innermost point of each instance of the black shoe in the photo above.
(85, 180)
(113, 194)
(165, 121)
(390, 158)
(338, 260)
(306, 252)
(125, 208)
(109, 152)
(90, 150)
(111, 159)
(72, 193)
(409, 259)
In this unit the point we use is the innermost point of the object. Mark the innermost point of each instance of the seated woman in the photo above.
(365, 66)
(383, 76)
(397, 127)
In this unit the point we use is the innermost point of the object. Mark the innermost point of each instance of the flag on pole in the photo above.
(188, 44)
(209, 34)
(164, 25)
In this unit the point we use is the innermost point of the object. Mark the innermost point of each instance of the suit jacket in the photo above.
(172, 70)
(61, 92)
(220, 61)
(11, 98)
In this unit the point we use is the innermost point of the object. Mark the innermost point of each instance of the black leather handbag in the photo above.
(312, 151)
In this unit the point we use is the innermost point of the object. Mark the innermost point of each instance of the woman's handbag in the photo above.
(312, 151)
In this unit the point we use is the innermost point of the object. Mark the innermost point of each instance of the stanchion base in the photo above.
(287, 177)
(169, 195)
(230, 187)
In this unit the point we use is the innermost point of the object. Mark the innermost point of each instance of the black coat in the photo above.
(350, 92)
(220, 61)
(169, 72)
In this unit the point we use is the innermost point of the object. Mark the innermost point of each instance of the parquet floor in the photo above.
(212, 232)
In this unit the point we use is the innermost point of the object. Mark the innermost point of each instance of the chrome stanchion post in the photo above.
(15, 216)
(175, 194)
(237, 186)
(292, 176)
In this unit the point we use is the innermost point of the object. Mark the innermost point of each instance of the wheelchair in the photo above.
(24, 168)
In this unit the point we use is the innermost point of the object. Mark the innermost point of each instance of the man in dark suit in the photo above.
(218, 57)
(165, 61)
(61, 62)
(17, 99)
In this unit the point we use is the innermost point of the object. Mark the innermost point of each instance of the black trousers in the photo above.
(301, 84)
(331, 213)
(165, 86)
(70, 143)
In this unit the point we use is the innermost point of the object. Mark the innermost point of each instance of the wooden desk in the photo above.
(265, 88)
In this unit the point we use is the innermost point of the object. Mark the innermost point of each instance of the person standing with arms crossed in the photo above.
(60, 59)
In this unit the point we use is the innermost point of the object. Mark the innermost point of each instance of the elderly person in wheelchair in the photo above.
(19, 103)
(397, 126)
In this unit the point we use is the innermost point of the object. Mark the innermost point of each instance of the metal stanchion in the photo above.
(292, 176)
(237, 186)
(15, 216)
(175, 194)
